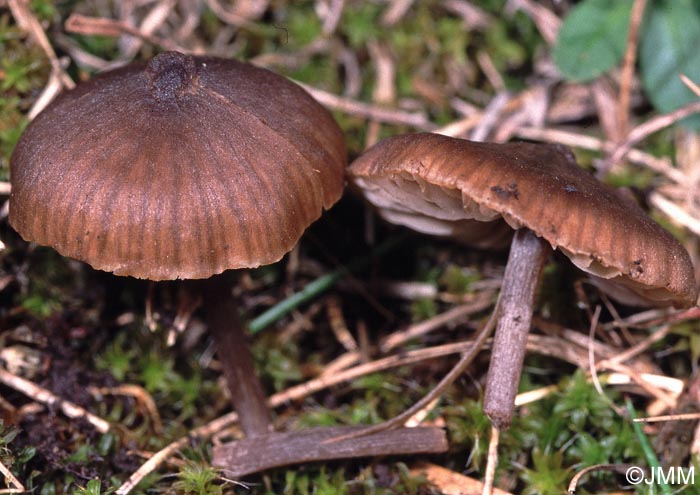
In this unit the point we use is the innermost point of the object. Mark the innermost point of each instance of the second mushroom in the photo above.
(446, 186)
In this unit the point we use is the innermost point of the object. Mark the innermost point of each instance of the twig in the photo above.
(674, 212)
(650, 127)
(450, 482)
(237, 16)
(58, 79)
(490, 116)
(650, 317)
(669, 417)
(440, 388)
(460, 127)
(17, 486)
(319, 46)
(660, 165)
(420, 416)
(341, 362)
(490, 71)
(140, 394)
(384, 92)
(26, 20)
(605, 97)
(546, 21)
(673, 385)
(150, 317)
(628, 66)
(80, 24)
(474, 17)
(334, 12)
(618, 468)
(653, 390)
(346, 105)
(40, 394)
(559, 348)
(638, 348)
(534, 395)
(149, 23)
(690, 84)
(407, 290)
(337, 324)
(409, 357)
(668, 383)
(395, 339)
(80, 56)
(491, 462)
(395, 11)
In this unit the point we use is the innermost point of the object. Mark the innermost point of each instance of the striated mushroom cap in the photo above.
(428, 176)
(180, 168)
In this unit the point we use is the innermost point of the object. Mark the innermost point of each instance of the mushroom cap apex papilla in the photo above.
(537, 186)
(180, 168)
(171, 74)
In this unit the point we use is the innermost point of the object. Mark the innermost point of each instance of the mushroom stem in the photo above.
(248, 456)
(520, 283)
(236, 359)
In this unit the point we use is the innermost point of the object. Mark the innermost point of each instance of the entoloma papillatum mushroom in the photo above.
(537, 189)
(181, 168)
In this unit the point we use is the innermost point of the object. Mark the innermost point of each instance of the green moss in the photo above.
(548, 477)
(458, 280)
(362, 24)
(303, 27)
(423, 309)
(198, 478)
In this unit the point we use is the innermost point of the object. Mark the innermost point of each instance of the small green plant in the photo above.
(118, 357)
(317, 483)
(280, 365)
(198, 478)
(593, 36)
(470, 428)
(549, 476)
(458, 280)
(93, 487)
(423, 309)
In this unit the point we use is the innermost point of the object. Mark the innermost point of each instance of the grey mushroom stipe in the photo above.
(446, 186)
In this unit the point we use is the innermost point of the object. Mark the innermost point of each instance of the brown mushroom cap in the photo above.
(182, 168)
(535, 186)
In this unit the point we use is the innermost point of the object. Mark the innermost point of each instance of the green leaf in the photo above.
(668, 47)
(592, 39)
